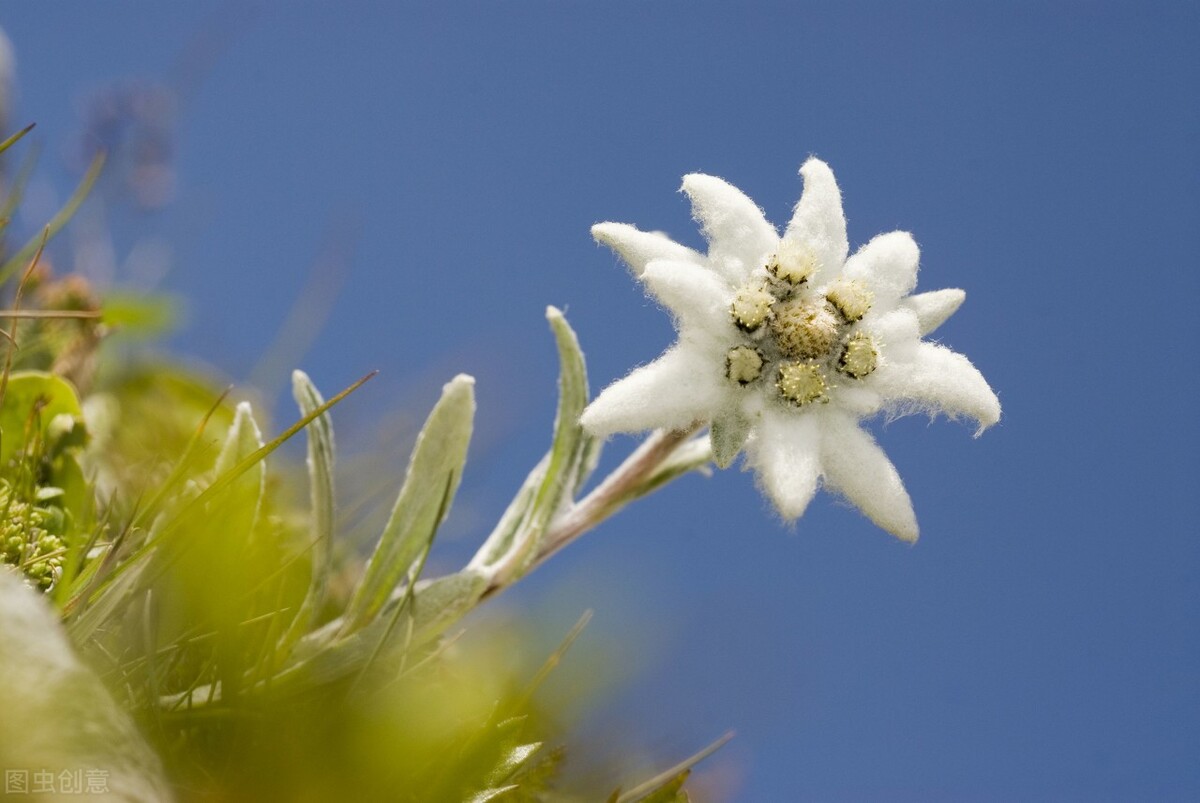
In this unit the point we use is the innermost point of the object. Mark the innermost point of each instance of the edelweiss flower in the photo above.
(785, 344)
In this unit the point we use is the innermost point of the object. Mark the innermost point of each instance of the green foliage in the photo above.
(33, 400)
(262, 662)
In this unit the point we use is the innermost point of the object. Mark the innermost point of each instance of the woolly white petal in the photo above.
(937, 380)
(888, 265)
(680, 387)
(785, 453)
(858, 469)
(818, 222)
(898, 334)
(739, 238)
(862, 400)
(639, 247)
(697, 296)
(935, 307)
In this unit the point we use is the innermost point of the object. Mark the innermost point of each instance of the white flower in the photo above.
(785, 344)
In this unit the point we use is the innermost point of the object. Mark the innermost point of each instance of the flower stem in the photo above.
(618, 489)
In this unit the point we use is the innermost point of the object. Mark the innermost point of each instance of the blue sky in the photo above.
(1041, 641)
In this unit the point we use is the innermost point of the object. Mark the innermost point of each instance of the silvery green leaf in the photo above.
(246, 492)
(433, 476)
(670, 792)
(573, 452)
(513, 544)
(667, 786)
(514, 523)
(728, 434)
(441, 602)
(321, 452)
(407, 621)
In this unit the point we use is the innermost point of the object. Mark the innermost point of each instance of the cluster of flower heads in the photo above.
(785, 344)
(27, 544)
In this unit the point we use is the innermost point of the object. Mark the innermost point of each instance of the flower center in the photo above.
(751, 307)
(792, 264)
(744, 364)
(859, 356)
(850, 297)
(812, 337)
(800, 382)
(805, 328)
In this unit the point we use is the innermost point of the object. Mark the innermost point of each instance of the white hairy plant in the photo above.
(785, 345)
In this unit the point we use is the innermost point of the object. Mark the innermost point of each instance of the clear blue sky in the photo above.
(1041, 641)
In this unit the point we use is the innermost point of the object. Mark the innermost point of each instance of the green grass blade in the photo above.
(160, 541)
(436, 464)
(8, 143)
(104, 606)
(16, 189)
(17, 260)
(225, 479)
(187, 460)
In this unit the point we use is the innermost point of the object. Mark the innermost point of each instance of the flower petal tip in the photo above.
(990, 418)
(605, 233)
(637, 247)
(894, 515)
(935, 307)
(693, 181)
(592, 423)
(790, 513)
(908, 532)
(815, 169)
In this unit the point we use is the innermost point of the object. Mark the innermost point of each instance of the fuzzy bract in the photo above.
(787, 342)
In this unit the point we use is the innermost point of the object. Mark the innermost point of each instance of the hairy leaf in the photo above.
(728, 435)
(321, 452)
(550, 487)
(433, 476)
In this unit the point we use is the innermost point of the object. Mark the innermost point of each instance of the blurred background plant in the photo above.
(185, 597)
